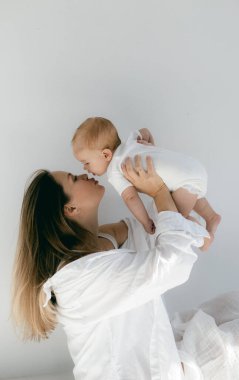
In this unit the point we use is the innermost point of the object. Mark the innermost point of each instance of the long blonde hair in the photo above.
(46, 240)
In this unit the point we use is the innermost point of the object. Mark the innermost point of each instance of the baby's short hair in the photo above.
(96, 133)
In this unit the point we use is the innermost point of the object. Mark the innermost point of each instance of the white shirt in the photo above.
(176, 169)
(110, 306)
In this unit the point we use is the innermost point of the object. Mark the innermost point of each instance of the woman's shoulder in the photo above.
(118, 230)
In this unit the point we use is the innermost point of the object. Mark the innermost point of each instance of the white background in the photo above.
(171, 66)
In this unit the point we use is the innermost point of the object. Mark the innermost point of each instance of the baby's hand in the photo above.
(149, 227)
(146, 138)
(143, 142)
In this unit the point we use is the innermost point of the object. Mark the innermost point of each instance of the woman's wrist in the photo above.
(155, 192)
(163, 200)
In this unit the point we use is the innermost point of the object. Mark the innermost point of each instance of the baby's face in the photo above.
(93, 160)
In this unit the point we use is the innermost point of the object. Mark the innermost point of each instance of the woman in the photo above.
(70, 270)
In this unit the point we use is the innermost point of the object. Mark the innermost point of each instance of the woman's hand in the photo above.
(148, 182)
(145, 181)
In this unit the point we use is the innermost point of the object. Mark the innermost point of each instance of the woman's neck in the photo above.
(89, 221)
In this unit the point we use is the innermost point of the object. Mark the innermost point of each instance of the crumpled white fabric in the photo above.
(208, 339)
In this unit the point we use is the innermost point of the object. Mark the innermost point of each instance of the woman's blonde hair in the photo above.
(46, 240)
(97, 133)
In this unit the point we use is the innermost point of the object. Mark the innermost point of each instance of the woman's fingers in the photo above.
(145, 180)
(150, 165)
(138, 164)
(131, 170)
(127, 168)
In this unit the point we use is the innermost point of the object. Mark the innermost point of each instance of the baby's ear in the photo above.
(107, 154)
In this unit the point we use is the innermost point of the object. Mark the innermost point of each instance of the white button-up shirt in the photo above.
(110, 305)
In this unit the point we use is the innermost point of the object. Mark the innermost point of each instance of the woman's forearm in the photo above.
(163, 200)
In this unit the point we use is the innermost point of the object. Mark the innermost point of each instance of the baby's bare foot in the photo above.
(207, 242)
(213, 222)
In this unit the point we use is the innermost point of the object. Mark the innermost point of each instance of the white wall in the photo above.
(171, 66)
(57, 376)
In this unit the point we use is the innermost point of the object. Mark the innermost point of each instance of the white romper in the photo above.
(176, 169)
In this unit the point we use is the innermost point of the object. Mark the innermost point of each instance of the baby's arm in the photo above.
(136, 206)
(147, 138)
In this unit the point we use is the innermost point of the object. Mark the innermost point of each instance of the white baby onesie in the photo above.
(176, 169)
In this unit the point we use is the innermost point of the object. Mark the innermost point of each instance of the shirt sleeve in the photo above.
(113, 283)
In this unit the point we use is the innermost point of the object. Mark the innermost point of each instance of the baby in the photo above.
(97, 146)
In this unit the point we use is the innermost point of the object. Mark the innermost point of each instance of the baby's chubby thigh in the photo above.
(185, 188)
(184, 200)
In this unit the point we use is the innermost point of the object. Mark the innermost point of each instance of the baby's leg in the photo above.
(203, 208)
(186, 202)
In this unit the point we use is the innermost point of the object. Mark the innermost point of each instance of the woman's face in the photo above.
(82, 191)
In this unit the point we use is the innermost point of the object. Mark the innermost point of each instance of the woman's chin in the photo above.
(102, 188)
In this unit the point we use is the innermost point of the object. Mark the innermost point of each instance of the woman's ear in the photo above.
(70, 211)
(107, 154)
